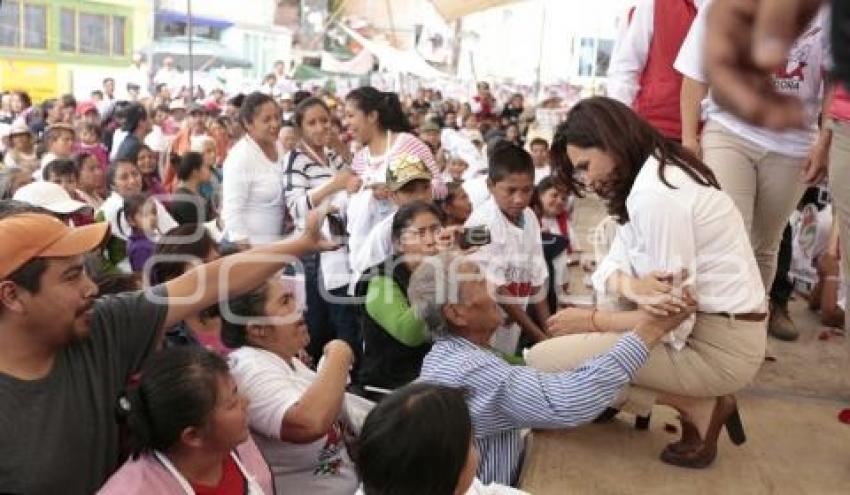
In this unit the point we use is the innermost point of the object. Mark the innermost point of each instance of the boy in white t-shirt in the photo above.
(513, 260)
(300, 418)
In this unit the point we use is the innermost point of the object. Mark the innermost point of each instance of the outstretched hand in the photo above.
(746, 40)
(312, 234)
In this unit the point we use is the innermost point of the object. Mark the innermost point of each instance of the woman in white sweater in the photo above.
(253, 205)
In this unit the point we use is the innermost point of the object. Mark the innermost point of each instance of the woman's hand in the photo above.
(569, 321)
(655, 293)
(342, 179)
(312, 234)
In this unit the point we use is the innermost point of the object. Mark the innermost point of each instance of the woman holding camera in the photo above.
(395, 340)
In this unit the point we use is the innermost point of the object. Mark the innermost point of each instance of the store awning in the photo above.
(452, 9)
(175, 16)
(206, 53)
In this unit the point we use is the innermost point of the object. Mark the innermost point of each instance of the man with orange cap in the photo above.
(66, 356)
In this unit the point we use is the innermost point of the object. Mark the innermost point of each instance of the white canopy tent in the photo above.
(452, 10)
(408, 62)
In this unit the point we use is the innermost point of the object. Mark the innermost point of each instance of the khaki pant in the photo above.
(722, 356)
(839, 187)
(764, 185)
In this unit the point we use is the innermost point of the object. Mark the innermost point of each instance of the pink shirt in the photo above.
(147, 475)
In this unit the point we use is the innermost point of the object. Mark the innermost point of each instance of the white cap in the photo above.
(49, 196)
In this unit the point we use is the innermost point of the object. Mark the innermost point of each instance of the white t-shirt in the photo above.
(477, 190)
(541, 173)
(117, 138)
(801, 77)
(478, 488)
(694, 227)
(514, 258)
(273, 386)
(377, 246)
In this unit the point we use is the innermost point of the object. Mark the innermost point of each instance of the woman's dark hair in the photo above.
(237, 100)
(391, 116)
(250, 305)
(307, 104)
(415, 441)
(612, 127)
(190, 162)
(405, 215)
(132, 205)
(178, 390)
(536, 203)
(112, 170)
(107, 280)
(453, 188)
(60, 168)
(174, 244)
(26, 101)
(251, 104)
(81, 158)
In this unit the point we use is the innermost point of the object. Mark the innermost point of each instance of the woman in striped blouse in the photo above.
(317, 174)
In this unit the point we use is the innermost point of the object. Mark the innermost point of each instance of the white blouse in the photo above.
(693, 227)
(253, 204)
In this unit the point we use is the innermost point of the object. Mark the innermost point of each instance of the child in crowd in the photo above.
(60, 144)
(187, 204)
(301, 417)
(185, 413)
(395, 451)
(140, 212)
(540, 156)
(513, 261)
(188, 245)
(550, 205)
(151, 182)
(557, 235)
(90, 142)
(455, 170)
(206, 147)
(91, 183)
(125, 180)
(456, 206)
(66, 174)
(21, 152)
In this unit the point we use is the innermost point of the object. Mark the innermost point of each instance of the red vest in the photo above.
(657, 100)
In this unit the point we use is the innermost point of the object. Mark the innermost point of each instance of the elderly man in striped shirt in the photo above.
(452, 297)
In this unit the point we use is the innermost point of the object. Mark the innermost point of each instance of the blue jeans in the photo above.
(326, 320)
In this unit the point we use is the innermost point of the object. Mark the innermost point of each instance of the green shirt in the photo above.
(387, 304)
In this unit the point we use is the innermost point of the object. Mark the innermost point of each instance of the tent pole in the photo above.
(191, 55)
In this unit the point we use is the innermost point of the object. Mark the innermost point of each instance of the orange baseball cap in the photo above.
(26, 236)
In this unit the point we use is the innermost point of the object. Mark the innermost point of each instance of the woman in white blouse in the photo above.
(679, 236)
(253, 205)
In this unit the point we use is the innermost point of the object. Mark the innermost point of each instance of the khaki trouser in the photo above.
(722, 356)
(839, 187)
(764, 185)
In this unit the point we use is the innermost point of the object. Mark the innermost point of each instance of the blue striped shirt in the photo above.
(502, 398)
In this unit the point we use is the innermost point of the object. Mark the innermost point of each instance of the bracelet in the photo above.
(593, 321)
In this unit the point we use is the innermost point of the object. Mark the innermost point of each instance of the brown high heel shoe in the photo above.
(705, 451)
(690, 439)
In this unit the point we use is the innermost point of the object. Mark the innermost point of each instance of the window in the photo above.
(10, 24)
(68, 30)
(603, 57)
(94, 34)
(35, 19)
(587, 55)
(119, 28)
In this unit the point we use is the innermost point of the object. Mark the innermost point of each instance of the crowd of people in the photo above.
(315, 293)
